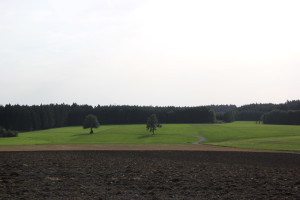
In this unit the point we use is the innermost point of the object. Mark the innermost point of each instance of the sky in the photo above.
(149, 52)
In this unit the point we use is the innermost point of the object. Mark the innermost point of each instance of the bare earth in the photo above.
(149, 175)
(132, 147)
(146, 172)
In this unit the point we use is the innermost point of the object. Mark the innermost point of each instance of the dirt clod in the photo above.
(149, 175)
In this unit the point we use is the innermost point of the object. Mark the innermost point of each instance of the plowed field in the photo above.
(149, 175)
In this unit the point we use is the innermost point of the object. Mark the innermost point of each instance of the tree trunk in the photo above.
(91, 131)
(153, 132)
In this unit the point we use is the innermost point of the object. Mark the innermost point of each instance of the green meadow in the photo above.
(237, 134)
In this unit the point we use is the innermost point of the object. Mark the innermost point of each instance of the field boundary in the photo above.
(129, 147)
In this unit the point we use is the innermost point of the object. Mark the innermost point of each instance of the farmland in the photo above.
(168, 174)
(237, 134)
(149, 175)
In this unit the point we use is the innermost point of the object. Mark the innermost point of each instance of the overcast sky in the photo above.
(149, 52)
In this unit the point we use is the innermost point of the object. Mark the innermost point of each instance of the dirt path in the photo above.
(134, 147)
(127, 147)
(201, 138)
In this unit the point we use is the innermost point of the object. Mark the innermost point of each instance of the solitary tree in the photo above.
(152, 123)
(91, 122)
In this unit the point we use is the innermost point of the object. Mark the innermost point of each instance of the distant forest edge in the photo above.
(28, 118)
(285, 113)
(37, 117)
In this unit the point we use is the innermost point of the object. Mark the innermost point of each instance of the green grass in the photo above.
(288, 143)
(237, 134)
(251, 135)
(108, 134)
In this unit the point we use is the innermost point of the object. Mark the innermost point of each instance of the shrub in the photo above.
(7, 133)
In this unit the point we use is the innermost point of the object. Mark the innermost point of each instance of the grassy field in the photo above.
(237, 134)
(251, 135)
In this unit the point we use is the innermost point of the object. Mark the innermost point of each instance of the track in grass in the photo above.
(237, 134)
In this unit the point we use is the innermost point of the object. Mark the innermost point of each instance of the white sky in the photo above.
(152, 52)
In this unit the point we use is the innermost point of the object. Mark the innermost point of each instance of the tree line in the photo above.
(221, 108)
(38, 117)
(290, 117)
(284, 113)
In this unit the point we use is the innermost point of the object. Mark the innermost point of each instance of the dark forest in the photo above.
(37, 117)
(28, 118)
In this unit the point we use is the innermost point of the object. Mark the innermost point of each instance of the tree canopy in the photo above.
(91, 122)
(152, 124)
(38, 117)
(254, 112)
(7, 133)
(291, 117)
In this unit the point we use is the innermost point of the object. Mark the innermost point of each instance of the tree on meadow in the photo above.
(152, 124)
(91, 122)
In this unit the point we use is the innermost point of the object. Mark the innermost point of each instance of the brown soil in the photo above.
(149, 175)
(132, 147)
